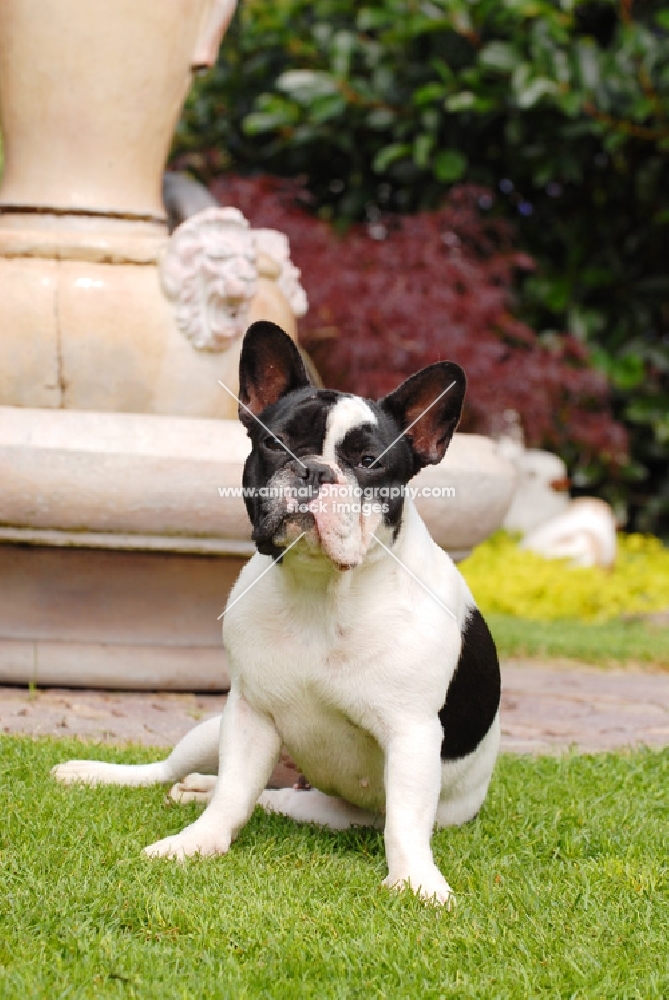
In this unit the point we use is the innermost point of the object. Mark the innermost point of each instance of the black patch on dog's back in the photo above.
(474, 693)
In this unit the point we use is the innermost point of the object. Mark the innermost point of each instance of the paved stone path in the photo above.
(546, 708)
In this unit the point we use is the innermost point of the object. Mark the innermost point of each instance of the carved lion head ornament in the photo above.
(210, 269)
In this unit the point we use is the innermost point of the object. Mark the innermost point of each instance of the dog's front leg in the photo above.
(249, 749)
(413, 785)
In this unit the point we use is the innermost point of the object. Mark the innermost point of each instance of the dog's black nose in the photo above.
(314, 473)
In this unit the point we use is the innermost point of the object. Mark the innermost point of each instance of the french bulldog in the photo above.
(351, 637)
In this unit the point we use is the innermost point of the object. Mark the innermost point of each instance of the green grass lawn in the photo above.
(613, 642)
(561, 885)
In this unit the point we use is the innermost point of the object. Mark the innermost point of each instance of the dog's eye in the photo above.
(273, 444)
(367, 461)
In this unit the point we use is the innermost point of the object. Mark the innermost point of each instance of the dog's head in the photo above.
(328, 465)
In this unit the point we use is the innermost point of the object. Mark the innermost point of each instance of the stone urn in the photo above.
(90, 94)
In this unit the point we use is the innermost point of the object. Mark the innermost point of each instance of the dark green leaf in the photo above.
(388, 155)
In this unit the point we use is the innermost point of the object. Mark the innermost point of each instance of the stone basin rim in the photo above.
(73, 478)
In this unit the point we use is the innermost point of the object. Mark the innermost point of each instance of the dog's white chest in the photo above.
(324, 703)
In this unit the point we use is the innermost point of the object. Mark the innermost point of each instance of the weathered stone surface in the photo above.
(546, 708)
(120, 473)
(99, 618)
(29, 351)
(158, 720)
(77, 136)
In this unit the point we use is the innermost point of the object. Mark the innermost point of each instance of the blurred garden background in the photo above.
(487, 182)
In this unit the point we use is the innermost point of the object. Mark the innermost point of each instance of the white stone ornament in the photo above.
(275, 244)
(556, 527)
(209, 272)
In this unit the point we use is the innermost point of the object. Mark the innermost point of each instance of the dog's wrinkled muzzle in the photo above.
(344, 521)
(325, 504)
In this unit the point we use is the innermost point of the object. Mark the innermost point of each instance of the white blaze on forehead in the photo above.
(349, 412)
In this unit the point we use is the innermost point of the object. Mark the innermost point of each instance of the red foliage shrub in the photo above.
(388, 298)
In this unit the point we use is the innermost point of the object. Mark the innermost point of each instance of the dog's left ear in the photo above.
(270, 366)
(427, 407)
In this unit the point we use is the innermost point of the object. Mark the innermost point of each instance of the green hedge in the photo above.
(560, 109)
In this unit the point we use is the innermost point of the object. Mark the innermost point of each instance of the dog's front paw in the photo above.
(198, 838)
(194, 788)
(430, 885)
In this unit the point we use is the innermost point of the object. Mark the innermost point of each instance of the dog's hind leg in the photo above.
(197, 751)
(315, 807)
(464, 782)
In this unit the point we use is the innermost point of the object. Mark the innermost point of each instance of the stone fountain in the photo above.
(117, 550)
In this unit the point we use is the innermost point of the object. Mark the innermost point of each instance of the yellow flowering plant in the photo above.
(509, 580)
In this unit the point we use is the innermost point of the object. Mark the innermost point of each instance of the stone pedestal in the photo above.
(106, 618)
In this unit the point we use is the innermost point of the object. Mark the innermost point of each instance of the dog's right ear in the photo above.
(427, 410)
(270, 366)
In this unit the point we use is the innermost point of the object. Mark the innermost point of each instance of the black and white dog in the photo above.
(360, 649)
